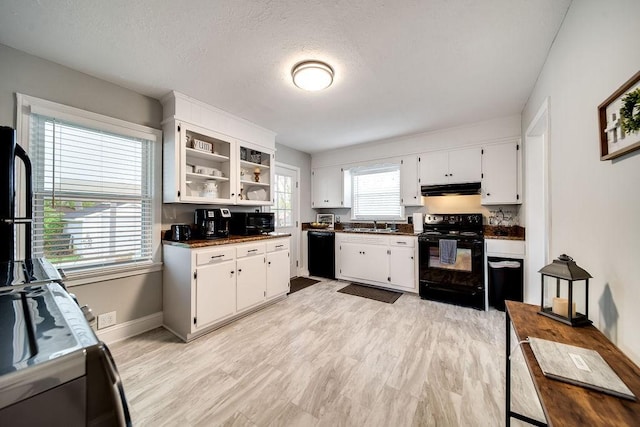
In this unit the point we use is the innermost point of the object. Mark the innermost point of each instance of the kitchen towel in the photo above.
(448, 251)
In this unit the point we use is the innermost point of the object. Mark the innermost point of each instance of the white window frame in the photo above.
(27, 104)
(354, 172)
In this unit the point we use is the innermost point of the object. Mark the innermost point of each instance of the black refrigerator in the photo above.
(12, 226)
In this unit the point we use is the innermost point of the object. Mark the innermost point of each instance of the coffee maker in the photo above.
(212, 223)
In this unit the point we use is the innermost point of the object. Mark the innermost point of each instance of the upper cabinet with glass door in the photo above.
(207, 158)
(199, 165)
(255, 175)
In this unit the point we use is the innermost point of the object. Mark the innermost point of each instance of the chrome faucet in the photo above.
(375, 224)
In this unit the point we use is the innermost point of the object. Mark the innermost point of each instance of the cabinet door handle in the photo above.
(401, 243)
(269, 263)
(239, 270)
(488, 194)
(279, 246)
(252, 250)
(217, 256)
(232, 271)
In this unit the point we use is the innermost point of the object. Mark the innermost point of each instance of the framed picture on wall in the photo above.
(619, 117)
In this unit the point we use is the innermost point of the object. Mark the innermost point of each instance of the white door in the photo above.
(465, 165)
(286, 208)
(409, 185)
(277, 273)
(537, 202)
(434, 168)
(251, 281)
(215, 292)
(500, 174)
(402, 267)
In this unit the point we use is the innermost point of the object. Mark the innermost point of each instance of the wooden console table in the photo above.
(565, 404)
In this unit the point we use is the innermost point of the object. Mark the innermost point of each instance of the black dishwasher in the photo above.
(322, 254)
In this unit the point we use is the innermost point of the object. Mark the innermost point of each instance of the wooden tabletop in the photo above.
(570, 405)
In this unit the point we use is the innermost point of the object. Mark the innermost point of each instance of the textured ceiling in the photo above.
(401, 67)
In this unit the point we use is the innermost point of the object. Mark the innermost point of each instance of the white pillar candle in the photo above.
(560, 307)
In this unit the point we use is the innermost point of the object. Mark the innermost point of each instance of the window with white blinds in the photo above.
(93, 195)
(376, 192)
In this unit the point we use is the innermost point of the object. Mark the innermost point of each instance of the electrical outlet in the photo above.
(107, 319)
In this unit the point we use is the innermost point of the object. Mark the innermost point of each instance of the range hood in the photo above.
(451, 189)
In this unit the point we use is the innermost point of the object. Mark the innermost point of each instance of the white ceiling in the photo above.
(401, 67)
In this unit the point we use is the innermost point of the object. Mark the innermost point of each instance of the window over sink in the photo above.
(376, 192)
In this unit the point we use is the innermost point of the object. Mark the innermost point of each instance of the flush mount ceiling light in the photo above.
(312, 75)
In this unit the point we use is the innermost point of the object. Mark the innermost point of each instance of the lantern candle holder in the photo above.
(558, 303)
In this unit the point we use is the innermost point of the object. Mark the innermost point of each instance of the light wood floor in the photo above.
(322, 358)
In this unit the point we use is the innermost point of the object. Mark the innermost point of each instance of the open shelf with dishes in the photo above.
(203, 166)
(256, 176)
(208, 166)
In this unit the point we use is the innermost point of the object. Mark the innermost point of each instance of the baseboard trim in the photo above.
(131, 328)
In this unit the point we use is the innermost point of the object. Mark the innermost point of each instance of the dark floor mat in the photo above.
(299, 283)
(372, 293)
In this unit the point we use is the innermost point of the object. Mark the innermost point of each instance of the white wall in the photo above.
(132, 297)
(471, 134)
(595, 207)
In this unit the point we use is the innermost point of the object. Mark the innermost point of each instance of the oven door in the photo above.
(465, 275)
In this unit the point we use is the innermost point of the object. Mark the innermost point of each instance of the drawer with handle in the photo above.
(250, 250)
(211, 256)
(408, 241)
(278, 245)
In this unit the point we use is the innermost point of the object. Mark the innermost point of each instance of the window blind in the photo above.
(92, 195)
(376, 192)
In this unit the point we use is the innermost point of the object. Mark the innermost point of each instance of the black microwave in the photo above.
(249, 223)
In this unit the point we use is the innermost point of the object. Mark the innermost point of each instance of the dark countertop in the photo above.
(504, 233)
(202, 243)
(346, 227)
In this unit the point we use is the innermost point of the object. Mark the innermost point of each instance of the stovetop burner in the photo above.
(453, 225)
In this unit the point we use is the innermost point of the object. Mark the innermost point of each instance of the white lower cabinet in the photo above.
(204, 288)
(251, 281)
(364, 261)
(402, 262)
(215, 292)
(388, 261)
(277, 271)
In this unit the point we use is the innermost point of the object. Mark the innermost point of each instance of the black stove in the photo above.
(451, 253)
(458, 226)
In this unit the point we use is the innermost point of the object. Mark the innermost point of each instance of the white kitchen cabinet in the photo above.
(192, 175)
(501, 182)
(202, 151)
(364, 261)
(251, 275)
(387, 261)
(410, 182)
(204, 288)
(402, 263)
(277, 268)
(330, 187)
(215, 292)
(254, 161)
(451, 167)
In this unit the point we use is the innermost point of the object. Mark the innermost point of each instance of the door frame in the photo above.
(539, 128)
(296, 234)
